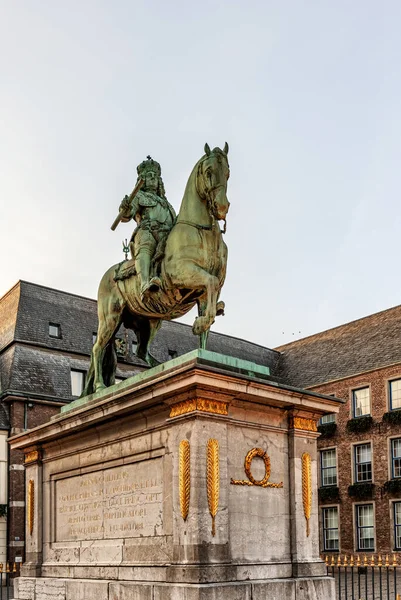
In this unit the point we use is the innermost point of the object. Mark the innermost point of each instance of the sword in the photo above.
(131, 197)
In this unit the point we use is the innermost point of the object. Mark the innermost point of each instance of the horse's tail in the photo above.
(109, 363)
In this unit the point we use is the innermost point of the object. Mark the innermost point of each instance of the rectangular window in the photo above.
(396, 457)
(330, 418)
(94, 337)
(328, 467)
(365, 527)
(361, 402)
(134, 346)
(397, 525)
(330, 528)
(395, 394)
(54, 330)
(77, 382)
(363, 462)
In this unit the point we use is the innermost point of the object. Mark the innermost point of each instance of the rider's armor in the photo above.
(155, 217)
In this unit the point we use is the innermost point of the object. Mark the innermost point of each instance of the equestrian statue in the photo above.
(176, 262)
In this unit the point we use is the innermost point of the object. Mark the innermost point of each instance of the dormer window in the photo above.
(54, 330)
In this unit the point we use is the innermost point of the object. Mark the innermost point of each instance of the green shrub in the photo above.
(359, 424)
(393, 417)
(361, 490)
(329, 494)
(327, 429)
(393, 486)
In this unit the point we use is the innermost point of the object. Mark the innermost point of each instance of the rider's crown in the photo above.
(148, 165)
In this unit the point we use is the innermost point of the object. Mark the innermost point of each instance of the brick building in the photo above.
(360, 451)
(46, 337)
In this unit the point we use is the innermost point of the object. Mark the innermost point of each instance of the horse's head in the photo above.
(211, 181)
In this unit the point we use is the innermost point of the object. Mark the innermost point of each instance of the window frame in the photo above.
(390, 395)
(396, 525)
(359, 527)
(58, 336)
(355, 446)
(322, 469)
(324, 529)
(353, 405)
(333, 420)
(84, 373)
(392, 458)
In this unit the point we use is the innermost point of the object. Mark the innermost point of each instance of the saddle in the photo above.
(125, 270)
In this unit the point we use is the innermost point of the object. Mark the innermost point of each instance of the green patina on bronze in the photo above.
(230, 364)
(176, 262)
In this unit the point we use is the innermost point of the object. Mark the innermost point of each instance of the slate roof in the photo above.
(362, 345)
(32, 361)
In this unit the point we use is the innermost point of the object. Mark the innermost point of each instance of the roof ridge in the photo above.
(342, 326)
(52, 289)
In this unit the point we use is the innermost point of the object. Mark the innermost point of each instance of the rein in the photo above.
(207, 227)
(209, 197)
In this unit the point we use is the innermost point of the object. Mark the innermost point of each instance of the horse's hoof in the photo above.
(220, 306)
(151, 360)
(200, 325)
(100, 387)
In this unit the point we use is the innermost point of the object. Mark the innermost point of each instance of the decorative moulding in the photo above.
(302, 423)
(32, 456)
(201, 404)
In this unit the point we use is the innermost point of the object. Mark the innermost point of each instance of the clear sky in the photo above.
(306, 93)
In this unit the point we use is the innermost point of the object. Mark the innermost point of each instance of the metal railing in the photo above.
(373, 578)
(6, 580)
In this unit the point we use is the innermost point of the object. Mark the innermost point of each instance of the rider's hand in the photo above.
(125, 207)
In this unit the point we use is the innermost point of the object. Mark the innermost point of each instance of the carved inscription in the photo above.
(114, 503)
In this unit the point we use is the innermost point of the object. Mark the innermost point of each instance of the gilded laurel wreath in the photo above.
(247, 466)
(213, 479)
(185, 477)
(31, 505)
(307, 488)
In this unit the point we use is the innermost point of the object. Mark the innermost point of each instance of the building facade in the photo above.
(360, 450)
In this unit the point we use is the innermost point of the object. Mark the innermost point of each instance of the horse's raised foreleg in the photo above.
(202, 305)
(207, 304)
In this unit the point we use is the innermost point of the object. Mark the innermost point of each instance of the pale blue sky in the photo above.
(307, 94)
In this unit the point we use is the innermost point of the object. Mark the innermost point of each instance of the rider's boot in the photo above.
(142, 265)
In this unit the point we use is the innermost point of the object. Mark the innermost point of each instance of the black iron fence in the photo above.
(7, 573)
(363, 578)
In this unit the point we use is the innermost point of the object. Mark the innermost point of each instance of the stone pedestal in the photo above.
(195, 480)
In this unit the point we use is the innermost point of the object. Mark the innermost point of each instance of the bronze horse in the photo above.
(192, 271)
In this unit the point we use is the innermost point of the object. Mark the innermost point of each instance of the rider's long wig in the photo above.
(160, 187)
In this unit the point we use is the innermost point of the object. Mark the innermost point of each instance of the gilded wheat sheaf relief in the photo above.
(184, 477)
(31, 505)
(307, 488)
(213, 479)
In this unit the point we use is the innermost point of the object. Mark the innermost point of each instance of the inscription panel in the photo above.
(124, 501)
